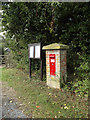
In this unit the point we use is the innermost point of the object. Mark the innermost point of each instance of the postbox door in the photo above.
(52, 64)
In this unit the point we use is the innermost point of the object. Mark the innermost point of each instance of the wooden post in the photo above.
(41, 63)
(29, 63)
(29, 67)
(41, 69)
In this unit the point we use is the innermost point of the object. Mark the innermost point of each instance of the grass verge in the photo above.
(42, 101)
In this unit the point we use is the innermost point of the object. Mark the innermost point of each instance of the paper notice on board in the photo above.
(31, 51)
(37, 51)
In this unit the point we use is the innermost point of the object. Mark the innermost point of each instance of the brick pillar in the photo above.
(47, 66)
(59, 76)
(63, 65)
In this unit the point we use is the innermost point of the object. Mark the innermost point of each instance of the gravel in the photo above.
(10, 105)
(10, 109)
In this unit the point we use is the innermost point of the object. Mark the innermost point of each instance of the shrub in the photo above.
(78, 86)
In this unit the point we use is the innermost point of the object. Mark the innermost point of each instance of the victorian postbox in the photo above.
(56, 64)
(52, 64)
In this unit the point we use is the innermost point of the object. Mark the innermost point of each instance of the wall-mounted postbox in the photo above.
(55, 64)
(52, 64)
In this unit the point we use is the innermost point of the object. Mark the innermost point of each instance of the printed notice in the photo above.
(31, 51)
(37, 51)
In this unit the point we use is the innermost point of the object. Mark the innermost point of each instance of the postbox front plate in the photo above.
(52, 64)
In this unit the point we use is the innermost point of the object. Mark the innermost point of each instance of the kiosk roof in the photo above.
(55, 46)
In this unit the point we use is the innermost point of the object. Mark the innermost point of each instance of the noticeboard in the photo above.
(35, 50)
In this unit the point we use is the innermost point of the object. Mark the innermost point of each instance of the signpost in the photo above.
(35, 52)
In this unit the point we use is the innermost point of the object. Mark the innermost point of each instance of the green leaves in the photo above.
(79, 87)
(48, 23)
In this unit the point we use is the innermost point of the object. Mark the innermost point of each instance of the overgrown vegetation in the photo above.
(79, 87)
(40, 101)
(66, 23)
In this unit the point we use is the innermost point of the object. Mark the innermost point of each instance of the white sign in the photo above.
(52, 60)
(37, 51)
(31, 52)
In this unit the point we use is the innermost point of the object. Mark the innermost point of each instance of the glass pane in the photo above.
(31, 51)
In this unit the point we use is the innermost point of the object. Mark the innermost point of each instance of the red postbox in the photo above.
(52, 64)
